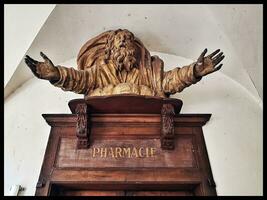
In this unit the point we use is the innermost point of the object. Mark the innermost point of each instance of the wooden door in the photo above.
(122, 190)
(124, 193)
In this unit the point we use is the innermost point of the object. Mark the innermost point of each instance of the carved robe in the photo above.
(97, 77)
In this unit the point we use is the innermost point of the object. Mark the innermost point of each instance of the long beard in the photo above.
(124, 58)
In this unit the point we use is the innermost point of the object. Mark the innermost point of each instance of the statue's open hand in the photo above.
(207, 65)
(44, 70)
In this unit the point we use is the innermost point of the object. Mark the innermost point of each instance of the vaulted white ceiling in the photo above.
(183, 30)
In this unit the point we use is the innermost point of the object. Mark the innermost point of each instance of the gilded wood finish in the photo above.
(117, 62)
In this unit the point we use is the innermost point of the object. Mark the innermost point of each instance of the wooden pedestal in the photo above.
(125, 156)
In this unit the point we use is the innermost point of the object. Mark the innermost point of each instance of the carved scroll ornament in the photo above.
(167, 127)
(82, 130)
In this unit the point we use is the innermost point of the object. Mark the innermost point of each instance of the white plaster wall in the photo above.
(21, 25)
(233, 135)
(243, 25)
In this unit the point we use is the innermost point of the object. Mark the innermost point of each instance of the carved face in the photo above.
(123, 39)
(124, 51)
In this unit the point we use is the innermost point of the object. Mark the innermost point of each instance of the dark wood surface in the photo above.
(122, 104)
(183, 171)
(99, 155)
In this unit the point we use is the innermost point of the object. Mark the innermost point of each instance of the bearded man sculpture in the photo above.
(116, 62)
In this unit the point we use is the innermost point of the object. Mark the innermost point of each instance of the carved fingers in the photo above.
(216, 60)
(44, 70)
(201, 57)
(214, 53)
(32, 64)
(207, 65)
(217, 68)
(46, 59)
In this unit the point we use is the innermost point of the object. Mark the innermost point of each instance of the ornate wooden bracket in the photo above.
(41, 183)
(167, 127)
(211, 182)
(82, 131)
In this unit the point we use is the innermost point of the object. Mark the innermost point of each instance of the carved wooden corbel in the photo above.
(211, 182)
(41, 183)
(82, 130)
(167, 127)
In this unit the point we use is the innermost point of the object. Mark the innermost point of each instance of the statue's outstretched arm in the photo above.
(179, 78)
(68, 79)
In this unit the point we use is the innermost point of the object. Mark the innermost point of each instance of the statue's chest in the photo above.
(122, 88)
(108, 75)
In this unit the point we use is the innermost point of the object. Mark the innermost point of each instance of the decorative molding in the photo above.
(82, 126)
(167, 127)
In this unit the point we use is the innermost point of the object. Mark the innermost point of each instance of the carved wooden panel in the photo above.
(123, 153)
(68, 170)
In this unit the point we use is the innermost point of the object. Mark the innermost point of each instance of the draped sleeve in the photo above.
(179, 78)
(78, 81)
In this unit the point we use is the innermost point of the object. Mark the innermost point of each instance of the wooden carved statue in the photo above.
(116, 62)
